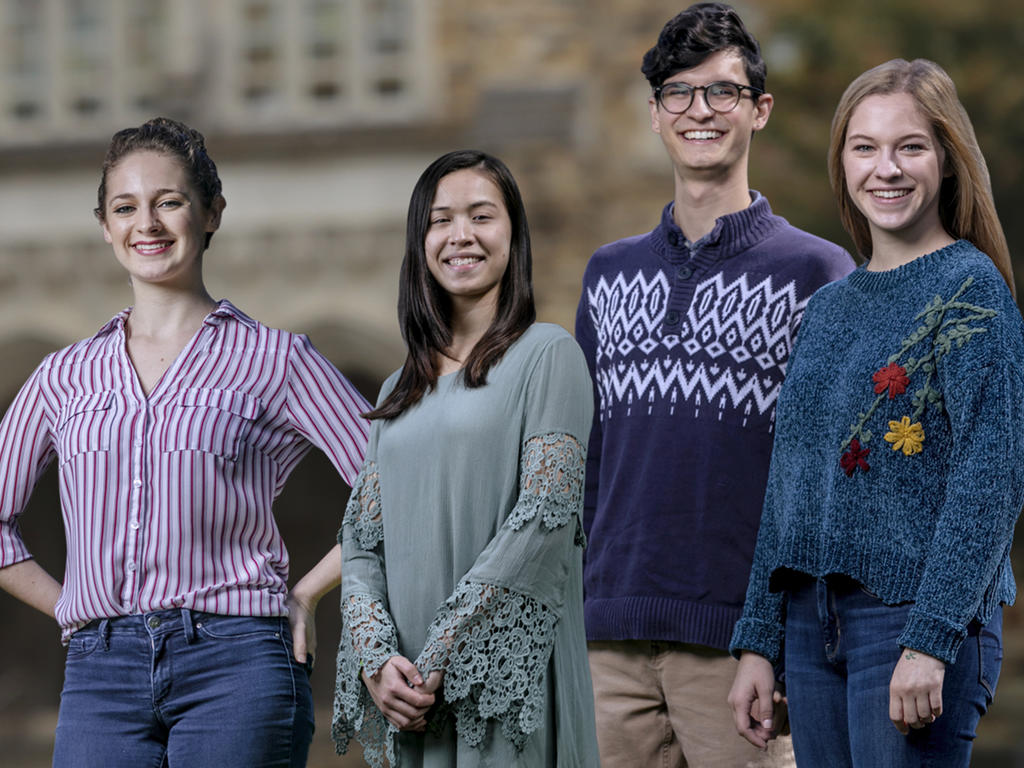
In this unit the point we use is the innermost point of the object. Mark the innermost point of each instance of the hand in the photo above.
(433, 682)
(915, 691)
(394, 689)
(302, 620)
(753, 699)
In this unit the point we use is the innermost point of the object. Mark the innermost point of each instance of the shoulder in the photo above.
(614, 256)
(547, 338)
(800, 250)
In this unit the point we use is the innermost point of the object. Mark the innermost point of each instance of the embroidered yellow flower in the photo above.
(905, 436)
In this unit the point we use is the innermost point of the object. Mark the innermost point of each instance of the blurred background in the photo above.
(322, 113)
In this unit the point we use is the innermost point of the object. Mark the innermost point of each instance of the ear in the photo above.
(213, 216)
(762, 110)
(106, 231)
(652, 104)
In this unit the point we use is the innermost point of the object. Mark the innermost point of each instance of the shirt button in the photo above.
(136, 483)
(684, 272)
(671, 317)
(131, 565)
(153, 621)
(134, 525)
(138, 442)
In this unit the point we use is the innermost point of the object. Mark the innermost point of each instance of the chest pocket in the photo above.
(84, 425)
(214, 421)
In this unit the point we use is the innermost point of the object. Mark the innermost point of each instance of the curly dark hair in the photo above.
(696, 33)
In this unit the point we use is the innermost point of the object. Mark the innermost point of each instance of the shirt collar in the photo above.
(224, 309)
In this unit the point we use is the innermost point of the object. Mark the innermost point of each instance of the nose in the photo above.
(699, 108)
(147, 219)
(888, 167)
(461, 230)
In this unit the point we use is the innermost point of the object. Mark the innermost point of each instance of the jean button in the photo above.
(154, 622)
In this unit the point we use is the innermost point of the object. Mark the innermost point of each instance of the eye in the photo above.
(913, 147)
(171, 203)
(124, 210)
(439, 220)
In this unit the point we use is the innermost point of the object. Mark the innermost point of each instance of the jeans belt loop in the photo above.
(187, 626)
(103, 632)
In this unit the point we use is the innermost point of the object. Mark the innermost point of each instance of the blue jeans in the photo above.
(181, 689)
(841, 652)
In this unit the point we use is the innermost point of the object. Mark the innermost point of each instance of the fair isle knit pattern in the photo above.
(897, 454)
(742, 327)
(687, 345)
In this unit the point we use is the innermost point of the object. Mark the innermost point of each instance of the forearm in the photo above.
(28, 582)
(321, 579)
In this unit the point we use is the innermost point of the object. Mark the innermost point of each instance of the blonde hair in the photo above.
(966, 207)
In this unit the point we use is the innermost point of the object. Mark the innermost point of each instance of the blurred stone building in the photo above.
(321, 114)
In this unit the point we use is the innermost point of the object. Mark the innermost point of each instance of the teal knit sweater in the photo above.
(898, 450)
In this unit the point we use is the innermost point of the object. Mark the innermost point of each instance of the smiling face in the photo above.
(702, 143)
(894, 167)
(468, 238)
(155, 220)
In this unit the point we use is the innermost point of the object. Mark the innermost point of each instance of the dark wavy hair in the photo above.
(166, 137)
(696, 33)
(424, 307)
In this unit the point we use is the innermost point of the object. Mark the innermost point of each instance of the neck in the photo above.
(889, 250)
(700, 202)
(162, 312)
(470, 321)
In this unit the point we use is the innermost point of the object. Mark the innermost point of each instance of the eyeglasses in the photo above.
(721, 96)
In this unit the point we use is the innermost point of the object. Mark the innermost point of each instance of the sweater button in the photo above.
(684, 272)
(671, 317)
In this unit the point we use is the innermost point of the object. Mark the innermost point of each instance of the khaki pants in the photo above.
(663, 705)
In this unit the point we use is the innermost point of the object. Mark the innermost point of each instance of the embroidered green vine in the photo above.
(949, 333)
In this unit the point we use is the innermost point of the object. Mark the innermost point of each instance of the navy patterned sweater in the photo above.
(898, 446)
(687, 345)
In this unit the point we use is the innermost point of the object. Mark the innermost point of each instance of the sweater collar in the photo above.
(732, 233)
(912, 272)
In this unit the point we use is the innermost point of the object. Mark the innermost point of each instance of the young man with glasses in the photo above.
(687, 331)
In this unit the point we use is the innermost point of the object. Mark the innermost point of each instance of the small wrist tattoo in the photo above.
(910, 656)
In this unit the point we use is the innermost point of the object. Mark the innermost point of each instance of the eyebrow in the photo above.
(157, 193)
(904, 137)
(478, 204)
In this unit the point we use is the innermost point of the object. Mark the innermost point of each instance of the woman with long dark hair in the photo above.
(882, 561)
(175, 427)
(462, 639)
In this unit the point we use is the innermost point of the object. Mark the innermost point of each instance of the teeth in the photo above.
(149, 248)
(889, 194)
(461, 262)
(702, 134)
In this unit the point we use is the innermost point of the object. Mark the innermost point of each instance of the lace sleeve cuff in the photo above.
(550, 483)
(368, 639)
(363, 512)
(494, 667)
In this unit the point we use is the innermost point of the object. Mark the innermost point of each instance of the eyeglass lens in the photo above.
(721, 97)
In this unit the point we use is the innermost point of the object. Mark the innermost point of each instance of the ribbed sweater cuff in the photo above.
(762, 637)
(932, 635)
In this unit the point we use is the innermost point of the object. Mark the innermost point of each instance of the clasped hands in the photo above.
(401, 694)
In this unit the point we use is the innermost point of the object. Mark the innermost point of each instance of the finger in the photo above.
(896, 714)
(299, 647)
(764, 707)
(923, 708)
(408, 670)
(935, 701)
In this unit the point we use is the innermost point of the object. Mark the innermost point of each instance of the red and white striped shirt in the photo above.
(167, 498)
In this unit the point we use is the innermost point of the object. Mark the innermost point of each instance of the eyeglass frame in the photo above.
(755, 94)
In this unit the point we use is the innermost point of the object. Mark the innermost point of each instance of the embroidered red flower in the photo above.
(854, 457)
(893, 377)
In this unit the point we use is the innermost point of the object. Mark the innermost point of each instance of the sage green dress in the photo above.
(462, 551)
